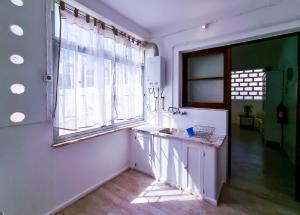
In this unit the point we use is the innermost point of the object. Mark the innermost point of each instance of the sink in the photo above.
(169, 131)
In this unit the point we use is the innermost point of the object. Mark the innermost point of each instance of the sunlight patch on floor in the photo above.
(160, 192)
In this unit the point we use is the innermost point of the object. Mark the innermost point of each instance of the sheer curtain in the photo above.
(129, 80)
(100, 81)
(80, 95)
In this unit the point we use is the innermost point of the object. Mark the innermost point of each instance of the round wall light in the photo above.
(16, 59)
(16, 30)
(17, 117)
(17, 89)
(204, 26)
(18, 3)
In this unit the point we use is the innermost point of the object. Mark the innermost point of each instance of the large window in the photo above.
(248, 85)
(100, 79)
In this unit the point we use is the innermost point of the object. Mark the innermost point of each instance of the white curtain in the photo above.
(100, 77)
(129, 81)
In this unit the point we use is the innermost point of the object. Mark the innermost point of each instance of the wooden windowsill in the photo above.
(94, 135)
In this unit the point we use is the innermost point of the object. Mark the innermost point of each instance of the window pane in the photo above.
(206, 66)
(108, 89)
(129, 91)
(206, 91)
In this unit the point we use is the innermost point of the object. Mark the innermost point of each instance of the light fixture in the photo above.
(16, 59)
(18, 3)
(16, 30)
(17, 89)
(204, 26)
(17, 117)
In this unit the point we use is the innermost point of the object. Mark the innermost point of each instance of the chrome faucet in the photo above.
(175, 111)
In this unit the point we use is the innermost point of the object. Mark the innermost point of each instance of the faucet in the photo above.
(175, 111)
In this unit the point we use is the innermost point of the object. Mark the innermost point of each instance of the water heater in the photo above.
(155, 72)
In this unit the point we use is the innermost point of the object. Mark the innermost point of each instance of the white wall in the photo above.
(255, 24)
(213, 118)
(31, 46)
(34, 178)
(112, 17)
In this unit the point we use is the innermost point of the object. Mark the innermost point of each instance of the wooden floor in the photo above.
(135, 193)
(262, 183)
(260, 169)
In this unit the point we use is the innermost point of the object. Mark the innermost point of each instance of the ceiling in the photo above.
(157, 15)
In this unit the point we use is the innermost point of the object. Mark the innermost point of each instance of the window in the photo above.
(248, 85)
(100, 79)
(205, 78)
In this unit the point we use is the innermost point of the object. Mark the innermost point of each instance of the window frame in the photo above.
(106, 128)
(226, 51)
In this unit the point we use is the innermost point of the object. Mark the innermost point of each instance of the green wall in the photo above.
(288, 59)
(257, 55)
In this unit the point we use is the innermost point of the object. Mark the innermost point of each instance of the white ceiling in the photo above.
(157, 15)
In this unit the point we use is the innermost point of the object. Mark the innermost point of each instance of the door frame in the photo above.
(298, 130)
(297, 152)
(177, 59)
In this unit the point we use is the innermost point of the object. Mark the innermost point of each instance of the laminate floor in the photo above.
(259, 169)
(135, 193)
(262, 183)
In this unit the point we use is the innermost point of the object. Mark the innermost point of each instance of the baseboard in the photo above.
(84, 193)
(142, 171)
(211, 201)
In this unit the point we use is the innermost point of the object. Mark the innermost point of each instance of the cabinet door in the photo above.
(156, 157)
(171, 161)
(142, 153)
(184, 168)
(195, 170)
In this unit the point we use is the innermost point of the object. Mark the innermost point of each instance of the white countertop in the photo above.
(214, 141)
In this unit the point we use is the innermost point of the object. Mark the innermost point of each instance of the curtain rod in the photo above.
(88, 18)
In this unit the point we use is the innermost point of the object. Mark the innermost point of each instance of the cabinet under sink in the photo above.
(197, 168)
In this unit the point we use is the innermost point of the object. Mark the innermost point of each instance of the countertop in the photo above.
(214, 141)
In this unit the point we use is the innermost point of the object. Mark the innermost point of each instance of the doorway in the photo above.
(264, 110)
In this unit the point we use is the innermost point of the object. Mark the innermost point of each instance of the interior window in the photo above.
(205, 79)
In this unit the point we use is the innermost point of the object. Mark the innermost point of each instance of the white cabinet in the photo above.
(141, 153)
(196, 168)
(156, 157)
(193, 171)
(170, 160)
